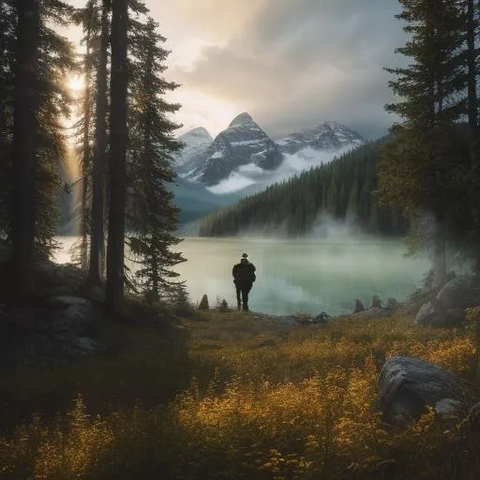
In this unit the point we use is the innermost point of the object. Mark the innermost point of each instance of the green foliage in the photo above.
(425, 167)
(342, 189)
(56, 61)
(152, 215)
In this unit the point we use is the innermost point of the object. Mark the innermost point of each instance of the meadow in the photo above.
(233, 396)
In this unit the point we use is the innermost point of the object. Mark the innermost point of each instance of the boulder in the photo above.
(85, 344)
(426, 315)
(392, 304)
(455, 294)
(408, 385)
(376, 302)
(434, 315)
(358, 306)
(321, 319)
(72, 315)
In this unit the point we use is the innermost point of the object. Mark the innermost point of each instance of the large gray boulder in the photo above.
(72, 315)
(408, 385)
(426, 315)
(455, 294)
(447, 309)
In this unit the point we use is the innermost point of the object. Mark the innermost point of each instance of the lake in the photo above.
(295, 276)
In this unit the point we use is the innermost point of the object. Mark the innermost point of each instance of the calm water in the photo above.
(298, 275)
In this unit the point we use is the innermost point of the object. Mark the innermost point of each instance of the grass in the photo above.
(231, 396)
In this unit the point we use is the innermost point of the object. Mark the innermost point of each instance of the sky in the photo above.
(292, 64)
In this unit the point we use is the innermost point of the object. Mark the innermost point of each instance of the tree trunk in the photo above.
(472, 69)
(24, 154)
(99, 159)
(118, 158)
(439, 262)
(472, 72)
(87, 111)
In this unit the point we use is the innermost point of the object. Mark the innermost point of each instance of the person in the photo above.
(243, 278)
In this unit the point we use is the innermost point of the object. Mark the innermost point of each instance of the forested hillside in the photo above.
(342, 189)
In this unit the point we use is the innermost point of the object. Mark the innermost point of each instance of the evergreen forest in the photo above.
(343, 190)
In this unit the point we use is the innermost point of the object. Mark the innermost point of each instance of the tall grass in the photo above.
(264, 401)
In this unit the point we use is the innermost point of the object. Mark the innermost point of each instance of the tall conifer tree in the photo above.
(152, 215)
(421, 168)
(25, 138)
(118, 158)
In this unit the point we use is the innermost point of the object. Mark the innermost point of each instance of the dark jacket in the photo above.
(243, 273)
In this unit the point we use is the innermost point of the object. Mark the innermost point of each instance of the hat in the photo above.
(244, 255)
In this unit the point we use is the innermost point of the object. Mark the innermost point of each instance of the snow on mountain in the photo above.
(328, 136)
(242, 143)
(195, 142)
(249, 179)
(243, 159)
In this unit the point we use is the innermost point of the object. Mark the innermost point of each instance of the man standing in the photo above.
(243, 278)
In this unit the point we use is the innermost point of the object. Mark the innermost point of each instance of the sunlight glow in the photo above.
(76, 83)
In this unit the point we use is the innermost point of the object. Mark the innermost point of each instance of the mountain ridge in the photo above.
(244, 155)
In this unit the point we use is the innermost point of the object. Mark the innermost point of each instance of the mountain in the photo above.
(195, 144)
(328, 137)
(242, 144)
(245, 160)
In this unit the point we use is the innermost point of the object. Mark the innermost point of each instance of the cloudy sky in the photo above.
(289, 63)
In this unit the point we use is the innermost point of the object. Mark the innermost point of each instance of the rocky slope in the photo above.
(242, 143)
(196, 143)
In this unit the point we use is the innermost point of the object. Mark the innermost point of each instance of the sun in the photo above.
(76, 84)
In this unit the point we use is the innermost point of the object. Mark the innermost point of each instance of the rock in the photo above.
(447, 309)
(376, 302)
(73, 315)
(454, 294)
(392, 304)
(358, 306)
(433, 315)
(204, 303)
(448, 408)
(408, 385)
(96, 294)
(320, 319)
(50, 275)
(426, 314)
(85, 344)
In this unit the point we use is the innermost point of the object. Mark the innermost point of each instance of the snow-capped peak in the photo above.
(195, 142)
(243, 119)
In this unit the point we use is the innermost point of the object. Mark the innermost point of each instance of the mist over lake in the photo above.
(311, 275)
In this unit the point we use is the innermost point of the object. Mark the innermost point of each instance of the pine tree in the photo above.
(420, 169)
(56, 63)
(25, 131)
(118, 158)
(152, 214)
(100, 152)
(8, 22)
(33, 102)
(89, 18)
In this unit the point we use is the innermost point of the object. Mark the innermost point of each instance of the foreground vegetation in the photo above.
(231, 395)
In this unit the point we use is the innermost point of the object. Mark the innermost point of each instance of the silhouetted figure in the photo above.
(243, 278)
